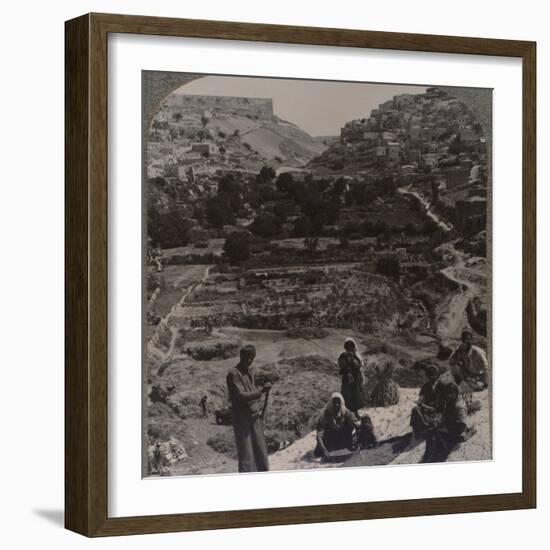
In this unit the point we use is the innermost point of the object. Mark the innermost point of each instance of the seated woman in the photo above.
(426, 415)
(452, 429)
(469, 365)
(335, 427)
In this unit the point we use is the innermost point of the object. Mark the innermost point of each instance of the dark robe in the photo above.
(337, 431)
(352, 381)
(452, 427)
(247, 421)
(424, 419)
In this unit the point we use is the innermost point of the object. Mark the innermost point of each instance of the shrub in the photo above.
(266, 174)
(167, 229)
(237, 246)
(306, 332)
(302, 227)
(312, 277)
(388, 266)
(284, 182)
(267, 226)
(219, 212)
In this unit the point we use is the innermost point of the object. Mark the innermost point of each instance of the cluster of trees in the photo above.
(364, 193)
(167, 228)
(167, 225)
(237, 246)
(225, 205)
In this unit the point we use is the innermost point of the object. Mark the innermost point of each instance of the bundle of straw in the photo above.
(386, 391)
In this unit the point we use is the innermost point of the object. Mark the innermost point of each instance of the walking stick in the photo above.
(265, 405)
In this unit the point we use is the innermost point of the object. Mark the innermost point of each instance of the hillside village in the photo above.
(258, 232)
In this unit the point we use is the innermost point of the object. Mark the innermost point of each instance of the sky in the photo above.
(320, 107)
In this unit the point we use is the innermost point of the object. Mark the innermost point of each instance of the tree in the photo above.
(177, 117)
(323, 213)
(266, 192)
(429, 227)
(229, 190)
(284, 182)
(339, 186)
(457, 145)
(237, 246)
(266, 225)
(311, 244)
(281, 210)
(410, 229)
(167, 229)
(389, 266)
(266, 174)
(219, 212)
(371, 229)
(302, 227)
(351, 228)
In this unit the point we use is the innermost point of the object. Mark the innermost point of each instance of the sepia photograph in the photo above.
(316, 274)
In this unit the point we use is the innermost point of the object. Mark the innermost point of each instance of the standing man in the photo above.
(469, 365)
(246, 412)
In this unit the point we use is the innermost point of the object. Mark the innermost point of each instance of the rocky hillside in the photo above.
(244, 136)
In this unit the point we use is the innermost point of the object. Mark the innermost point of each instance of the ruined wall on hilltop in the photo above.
(255, 106)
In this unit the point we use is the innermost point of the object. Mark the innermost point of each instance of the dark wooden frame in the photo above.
(86, 274)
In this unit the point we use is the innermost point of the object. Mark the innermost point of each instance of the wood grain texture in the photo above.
(77, 459)
(529, 274)
(86, 257)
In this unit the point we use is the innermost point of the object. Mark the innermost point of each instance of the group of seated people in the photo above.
(439, 417)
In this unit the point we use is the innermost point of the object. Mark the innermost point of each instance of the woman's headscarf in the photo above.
(357, 354)
(329, 408)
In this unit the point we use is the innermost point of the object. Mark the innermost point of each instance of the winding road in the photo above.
(446, 226)
(153, 346)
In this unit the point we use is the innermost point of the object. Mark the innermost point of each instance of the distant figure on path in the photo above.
(350, 363)
(335, 427)
(469, 365)
(245, 396)
(204, 410)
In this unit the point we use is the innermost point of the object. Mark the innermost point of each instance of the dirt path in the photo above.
(428, 210)
(153, 346)
(201, 456)
(450, 325)
(180, 304)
